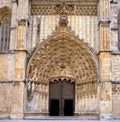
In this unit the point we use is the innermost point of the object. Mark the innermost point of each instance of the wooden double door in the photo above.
(61, 98)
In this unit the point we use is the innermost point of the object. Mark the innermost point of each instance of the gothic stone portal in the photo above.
(62, 57)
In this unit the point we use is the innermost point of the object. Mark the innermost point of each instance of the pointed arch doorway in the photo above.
(61, 98)
(57, 60)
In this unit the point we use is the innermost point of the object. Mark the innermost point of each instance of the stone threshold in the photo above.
(80, 117)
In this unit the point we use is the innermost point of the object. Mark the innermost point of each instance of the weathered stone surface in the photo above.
(105, 91)
(104, 66)
(19, 73)
(115, 72)
(21, 42)
(114, 40)
(87, 54)
(7, 3)
(116, 100)
(6, 67)
(17, 100)
(106, 107)
(23, 5)
(106, 98)
(5, 99)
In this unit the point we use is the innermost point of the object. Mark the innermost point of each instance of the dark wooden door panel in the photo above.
(68, 90)
(54, 107)
(68, 107)
(64, 92)
(54, 90)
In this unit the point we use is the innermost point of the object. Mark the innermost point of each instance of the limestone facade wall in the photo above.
(114, 10)
(24, 39)
(85, 27)
(7, 62)
(5, 99)
(115, 100)
(7, 3)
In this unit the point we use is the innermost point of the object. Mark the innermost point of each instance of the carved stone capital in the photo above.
(104, 23)
(22, 22)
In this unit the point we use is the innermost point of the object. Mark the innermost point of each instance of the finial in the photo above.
(63, 17)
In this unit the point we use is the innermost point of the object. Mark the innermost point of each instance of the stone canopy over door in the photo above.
(62, 57)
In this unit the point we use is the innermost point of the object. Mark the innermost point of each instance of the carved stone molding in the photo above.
(54, 7)
(22, 22)
(104, 23)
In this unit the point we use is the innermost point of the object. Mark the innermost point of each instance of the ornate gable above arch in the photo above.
(62, 56)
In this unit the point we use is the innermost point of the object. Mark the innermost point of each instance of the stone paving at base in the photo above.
(59, 120)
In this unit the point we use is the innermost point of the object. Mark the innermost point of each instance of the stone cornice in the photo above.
(116, 53)
(104, 22)
(104, 51)
(7, 52)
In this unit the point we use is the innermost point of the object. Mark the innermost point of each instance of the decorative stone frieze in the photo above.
(54, 7)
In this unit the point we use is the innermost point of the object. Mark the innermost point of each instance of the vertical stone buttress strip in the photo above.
(104, 59)
(13, 37)
(17, 111)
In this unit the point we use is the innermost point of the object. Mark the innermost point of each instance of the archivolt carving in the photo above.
(62, 56)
